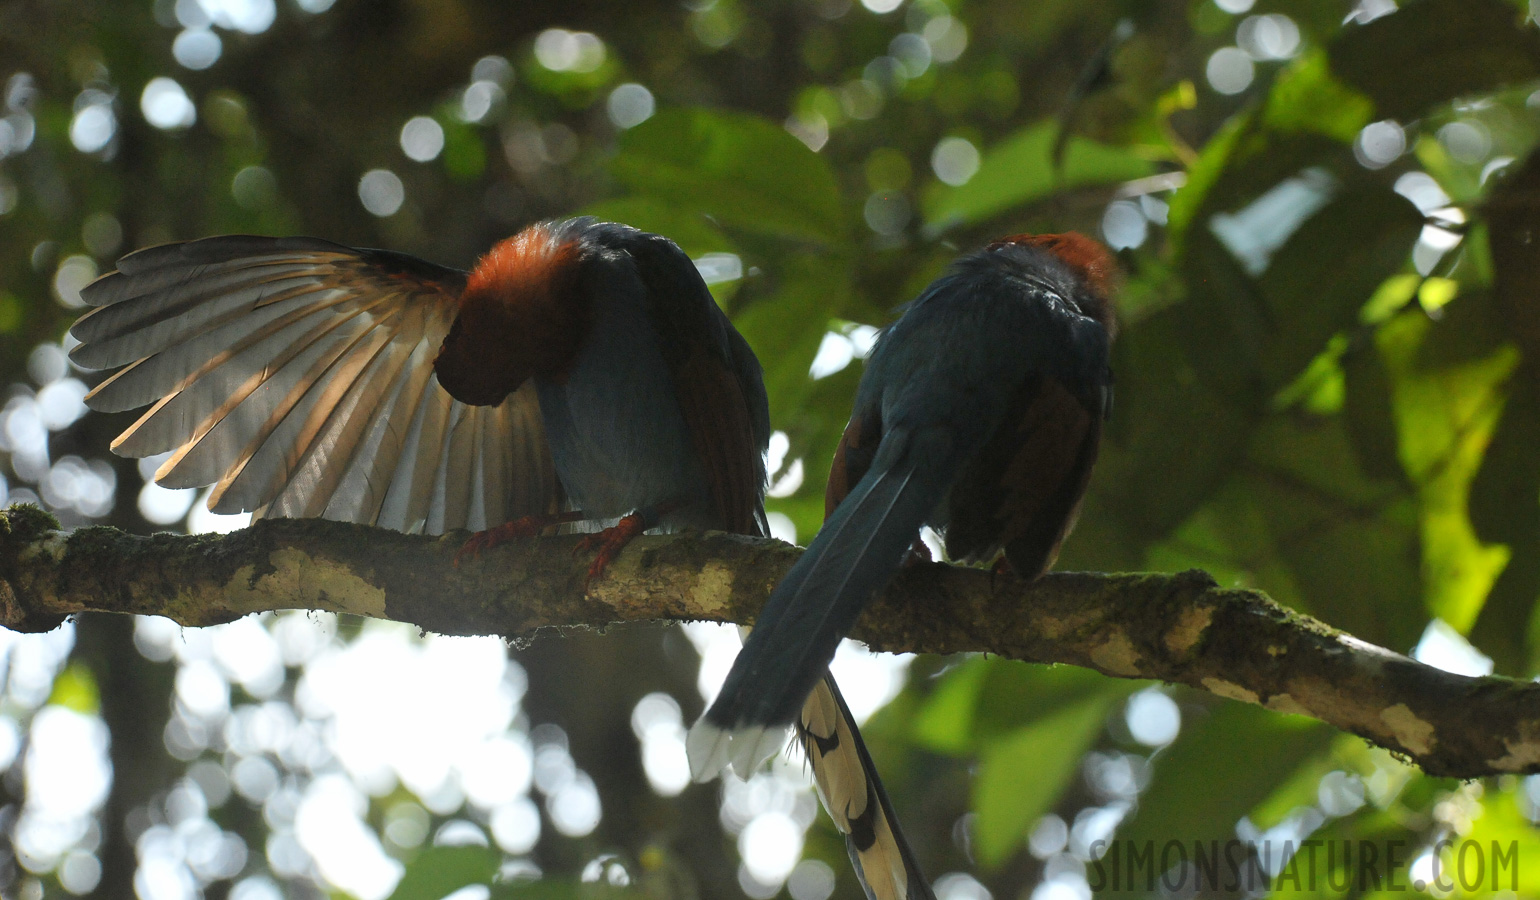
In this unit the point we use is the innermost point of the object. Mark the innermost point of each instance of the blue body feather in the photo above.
(941, 382)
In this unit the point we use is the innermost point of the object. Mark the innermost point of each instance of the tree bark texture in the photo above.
(1180, 628)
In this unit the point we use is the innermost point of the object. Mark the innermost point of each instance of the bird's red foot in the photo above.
(522, 527)
(1002, 566)
(612, 540)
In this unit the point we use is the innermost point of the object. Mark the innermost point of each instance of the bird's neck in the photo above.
(524, 313)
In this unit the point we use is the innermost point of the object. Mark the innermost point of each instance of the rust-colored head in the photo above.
(1088, 258)
(521, 315)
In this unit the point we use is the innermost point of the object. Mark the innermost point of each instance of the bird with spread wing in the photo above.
(581, 370)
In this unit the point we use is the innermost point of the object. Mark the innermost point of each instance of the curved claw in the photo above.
(610, 542)
(522, 527)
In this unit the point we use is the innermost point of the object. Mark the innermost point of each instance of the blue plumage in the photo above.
(979, 414)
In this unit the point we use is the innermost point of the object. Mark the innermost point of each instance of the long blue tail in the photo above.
(817, 603)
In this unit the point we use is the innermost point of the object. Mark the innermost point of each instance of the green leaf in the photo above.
(1145, 479)
(1504, 507)
(465, 152)
(1322, 276)
(1371, 421)
(1447, 398)
(1503, 827)
(561, 889)
(986, 699)
(1217, 771)
(690, 229)
(1020, 171)
(1349, 543)
(945, 723)
(1433, 51)
(1021, 775)
(1202, 175)
(742, 170)
(1514, 219)
(1305, 97)
(75, 689)
(11, 312)
(439, 871)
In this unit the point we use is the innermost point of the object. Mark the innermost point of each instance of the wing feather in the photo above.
(717, 415)
(297, 374)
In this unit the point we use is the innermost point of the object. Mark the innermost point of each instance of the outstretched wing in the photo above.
(297, 376)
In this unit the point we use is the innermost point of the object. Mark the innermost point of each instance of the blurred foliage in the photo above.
(1328, 370)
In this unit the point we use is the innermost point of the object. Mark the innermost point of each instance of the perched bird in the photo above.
(979, 414)
(580, 365)
(580, 370)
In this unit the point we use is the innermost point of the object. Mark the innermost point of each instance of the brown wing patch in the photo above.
(717, 415)
(1045, 481)
(852, 458)
(1023, 488)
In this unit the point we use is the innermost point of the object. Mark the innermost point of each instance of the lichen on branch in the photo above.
(1180, 628)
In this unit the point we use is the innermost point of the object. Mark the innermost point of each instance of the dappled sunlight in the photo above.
(1319, 216)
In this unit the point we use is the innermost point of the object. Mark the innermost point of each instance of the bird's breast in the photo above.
(618, 437)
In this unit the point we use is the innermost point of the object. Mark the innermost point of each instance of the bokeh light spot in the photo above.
(516, 826)
(254, 187)
(74, 273)
(422, 139)
(1230, 70)
(479, 99)
(79, 873)
(1124, 225)
(1467, 140)
(102, 234)
(492, 68)
(1273, 36)
(166, 105)
(203, 520)
(715, 268)
(574, 809)
(196, 48)
(947, 37)
(561, 50)
(961, 886)
(381, 192)
(812, 879)
(629, 105)
(1153, 718)
(887, 213)
(248, 16)
(92, 127)
(770, 846)
(1379, 144)
(47, 363)
(955, 160)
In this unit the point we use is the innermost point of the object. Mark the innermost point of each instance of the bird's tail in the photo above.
(810, 611)
(852, 793)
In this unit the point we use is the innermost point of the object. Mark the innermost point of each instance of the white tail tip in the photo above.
(711, 748)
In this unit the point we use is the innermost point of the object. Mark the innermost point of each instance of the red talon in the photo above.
(523, 527)
(611, 541)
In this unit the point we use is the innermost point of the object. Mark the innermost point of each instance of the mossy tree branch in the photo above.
(1178, 628)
